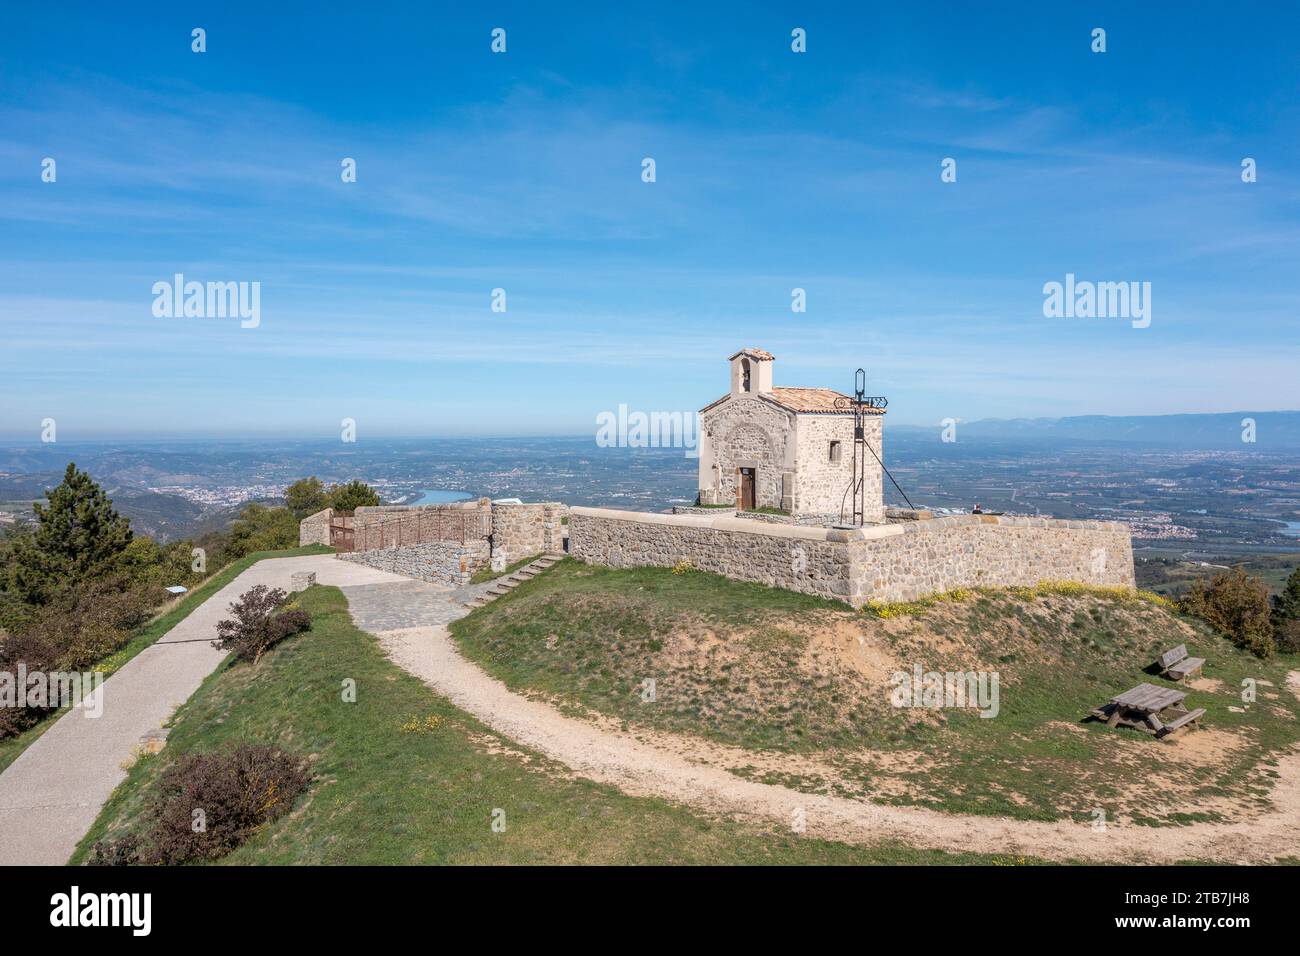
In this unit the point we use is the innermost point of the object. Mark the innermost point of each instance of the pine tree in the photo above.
(353, 495)
(78, 536)
(306, 496)
(1287, 603)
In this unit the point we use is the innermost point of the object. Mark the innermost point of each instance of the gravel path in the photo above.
(655, 766)
(52, 793)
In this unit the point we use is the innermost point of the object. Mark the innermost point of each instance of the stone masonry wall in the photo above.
(439, 562)
(821, 484)
(812, 560)
(746, 432)
(315, 529)
(893, 562)
(928, 556)
(523, 530)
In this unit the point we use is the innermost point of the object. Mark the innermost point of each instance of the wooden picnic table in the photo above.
(1141, 708)
(1148, 698)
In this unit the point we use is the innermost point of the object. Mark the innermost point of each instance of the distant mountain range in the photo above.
(1220, 431)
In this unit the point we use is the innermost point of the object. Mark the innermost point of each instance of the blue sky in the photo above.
(521, 171)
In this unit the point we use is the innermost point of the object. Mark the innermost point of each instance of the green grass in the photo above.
(11, 747)
(731, 663)
(404, 777)
(482, 577)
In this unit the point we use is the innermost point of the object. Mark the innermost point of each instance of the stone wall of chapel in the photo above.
(820, 483)
(745, 433)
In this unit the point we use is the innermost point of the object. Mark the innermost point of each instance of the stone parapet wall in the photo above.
(520, 531)
(438, 562)
(315, 529)
(807, 520)
(928, 556)
(891, 562)
(735, 547)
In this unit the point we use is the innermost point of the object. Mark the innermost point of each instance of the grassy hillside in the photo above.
(769, 671)
(403, 777)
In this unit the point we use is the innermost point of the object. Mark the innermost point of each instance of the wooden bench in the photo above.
(1191, 717)
(1176, 665)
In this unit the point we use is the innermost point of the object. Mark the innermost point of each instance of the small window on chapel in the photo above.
(835, 451)
(744, 368)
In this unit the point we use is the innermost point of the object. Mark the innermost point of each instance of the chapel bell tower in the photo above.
(751, 372)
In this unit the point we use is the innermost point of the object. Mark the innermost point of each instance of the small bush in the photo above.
(1237, 605)
(84, 625)
(38, 654)
(124, 851)
(259, 623)
(237, 790)
(208, 804)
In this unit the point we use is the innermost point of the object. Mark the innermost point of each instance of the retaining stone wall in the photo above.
(893, 562)
(438, 562)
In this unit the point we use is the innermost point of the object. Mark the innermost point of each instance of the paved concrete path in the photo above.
(52, 793)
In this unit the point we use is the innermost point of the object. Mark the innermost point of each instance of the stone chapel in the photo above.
(787, 449)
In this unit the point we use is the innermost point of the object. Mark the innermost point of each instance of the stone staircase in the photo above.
(504, 585)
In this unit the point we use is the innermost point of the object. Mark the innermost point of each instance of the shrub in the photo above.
(208, 804)
(36, 652)
(237, 790)
(94, 620)
(85, 624)
(124, 851)
(259, 623)
(1237, 605)
(260, 528)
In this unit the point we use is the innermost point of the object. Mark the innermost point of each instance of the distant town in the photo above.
(1195, 504)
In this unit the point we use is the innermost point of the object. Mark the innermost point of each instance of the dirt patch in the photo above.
(1211, 684)
(1205, 747)
(1293, 682)
(847, 642)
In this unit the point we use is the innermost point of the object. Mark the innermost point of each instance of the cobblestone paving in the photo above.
(399, 605)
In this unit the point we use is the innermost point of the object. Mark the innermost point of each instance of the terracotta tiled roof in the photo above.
(814, 400)
(805, 401)
(755, 353)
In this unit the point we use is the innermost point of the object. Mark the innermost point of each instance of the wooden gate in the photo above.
(342, 536)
